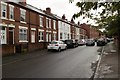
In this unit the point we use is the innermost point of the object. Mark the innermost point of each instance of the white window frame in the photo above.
(11, 12)
(23, 28)
(41, 21)
(47, 36)
(54, 36)
(5, 4)
(47, 21)
(3, 41)
(54, 24)
(33, 31)
(23, 14)
(50, 37)
(41, 35)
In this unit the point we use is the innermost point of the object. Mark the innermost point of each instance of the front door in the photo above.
(11, 36)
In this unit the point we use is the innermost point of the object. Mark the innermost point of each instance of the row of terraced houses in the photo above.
(25, 28)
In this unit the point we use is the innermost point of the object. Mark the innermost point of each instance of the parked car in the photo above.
(71, 43)
(101, 42)
(57, 45)
(90, 42)
(81, 42)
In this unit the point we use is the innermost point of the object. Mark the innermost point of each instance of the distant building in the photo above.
(91, 32)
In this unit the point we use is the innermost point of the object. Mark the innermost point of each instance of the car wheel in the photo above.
(65, 47)
(74, 46)
(59, 49)
(48, 50)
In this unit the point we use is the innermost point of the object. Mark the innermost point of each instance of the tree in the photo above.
(108, 17)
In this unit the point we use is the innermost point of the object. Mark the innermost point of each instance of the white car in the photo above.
(57, 45)
(81, 42)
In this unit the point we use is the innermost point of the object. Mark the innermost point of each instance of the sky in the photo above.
(60, 7)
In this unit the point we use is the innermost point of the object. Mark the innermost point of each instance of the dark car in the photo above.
(90, 42)
(101, 42)
(72, 43)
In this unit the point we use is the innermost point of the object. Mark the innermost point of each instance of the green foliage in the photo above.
(109, 16)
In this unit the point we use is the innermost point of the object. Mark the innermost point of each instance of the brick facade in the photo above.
(32, 29)
(91, 32)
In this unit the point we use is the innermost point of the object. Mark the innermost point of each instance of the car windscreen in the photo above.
(53, 43)
(68, 41)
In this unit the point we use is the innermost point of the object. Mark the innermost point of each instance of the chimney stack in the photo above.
(63, 17)
(48, 10)
(23, 2)
(72, 21)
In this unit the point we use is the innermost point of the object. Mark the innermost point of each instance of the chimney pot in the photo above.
(63, 17)
(48, 10)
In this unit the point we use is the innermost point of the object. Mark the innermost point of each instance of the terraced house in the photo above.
(25, 28)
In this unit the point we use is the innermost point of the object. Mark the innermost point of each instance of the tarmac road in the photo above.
(70, 63)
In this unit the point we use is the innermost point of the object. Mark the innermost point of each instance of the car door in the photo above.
(62, 45)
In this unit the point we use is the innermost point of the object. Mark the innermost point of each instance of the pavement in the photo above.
(22, 56)
(108, 66)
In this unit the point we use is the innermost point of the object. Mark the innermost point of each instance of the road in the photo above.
(70, 63)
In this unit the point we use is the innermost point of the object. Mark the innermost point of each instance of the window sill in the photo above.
(41, 25)
(11, 19)
(22, 22)
(33, 42)
(41, 40)
(4, 18)
(23, 41)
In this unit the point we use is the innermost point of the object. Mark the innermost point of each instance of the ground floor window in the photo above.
(54, 36)
(3, 39)
(41, 36)
(47, 37)
(68, 36)
(60, 35)
(23, 34)
(33, 36)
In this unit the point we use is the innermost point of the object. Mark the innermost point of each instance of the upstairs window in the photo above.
(47, 22)
(41, 21)
(22, 15)
(11, 15)
(3, 10)
(54, 24)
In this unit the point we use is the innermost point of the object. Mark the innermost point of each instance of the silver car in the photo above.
(57, 45)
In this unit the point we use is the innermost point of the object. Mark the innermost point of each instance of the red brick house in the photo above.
(91, 32)
(25, 28)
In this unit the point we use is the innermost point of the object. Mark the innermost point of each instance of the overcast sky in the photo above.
(59, 7)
